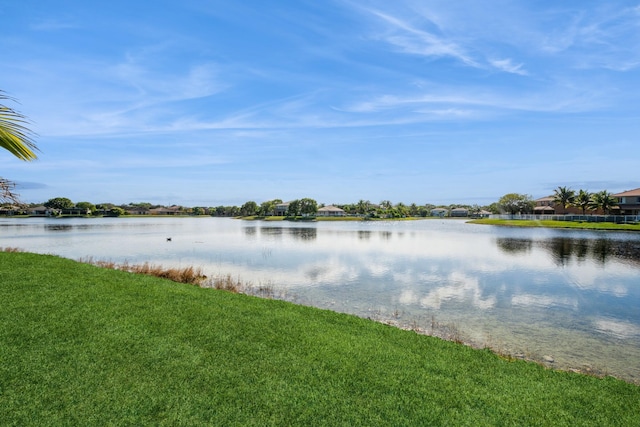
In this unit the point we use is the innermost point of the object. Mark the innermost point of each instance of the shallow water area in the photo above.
(567, 298)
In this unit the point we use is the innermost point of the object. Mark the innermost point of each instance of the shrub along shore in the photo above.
(84, 345)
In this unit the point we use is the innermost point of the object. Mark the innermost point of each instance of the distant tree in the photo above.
(87, 206)
(564, 197)
(603, 200)
(225, 211)
(294, 208)
(198, 211)
(582, 200)
(116, 211)
(349, 208)
(400, 211)
(515, 203)
(103, 208)
(59, 203)
(7, 195)
(386, 204)
(143, 205)
(494, 208)
(249, 208)
(308, 207)
(362, 207)
(268, 208)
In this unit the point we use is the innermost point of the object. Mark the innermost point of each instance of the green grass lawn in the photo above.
(558, 224)
(82, 345)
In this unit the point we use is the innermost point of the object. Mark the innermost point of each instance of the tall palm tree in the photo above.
(603, 200)
(564, 196)
(15, 137)
(582, 200)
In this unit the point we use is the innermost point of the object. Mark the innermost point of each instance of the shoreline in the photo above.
(570, 225)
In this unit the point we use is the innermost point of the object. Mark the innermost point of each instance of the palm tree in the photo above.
(401, 210)
(582, 200)
(603, 200)
(363, 206)
(15, 137)
(564, 196)
(386, 204)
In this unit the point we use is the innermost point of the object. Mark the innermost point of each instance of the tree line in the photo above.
(512, 203)
(299, 207)
(601, 201)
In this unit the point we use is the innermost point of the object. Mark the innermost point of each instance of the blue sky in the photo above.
(203, 103)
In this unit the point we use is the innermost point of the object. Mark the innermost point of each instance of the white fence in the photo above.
(618, 219)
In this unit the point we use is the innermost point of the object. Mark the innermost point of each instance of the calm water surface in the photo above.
(570, 296)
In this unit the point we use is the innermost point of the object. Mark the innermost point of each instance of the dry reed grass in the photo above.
(190, 275)
(10, 250)
(193, 276)
(226, 283)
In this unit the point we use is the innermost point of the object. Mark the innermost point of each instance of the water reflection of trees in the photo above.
(300, 233)
(515, 246)
(250, 231)
(59, 227)
(271, 231)
(386, 235)
(309, 233)
(364, 234)
(566, 250)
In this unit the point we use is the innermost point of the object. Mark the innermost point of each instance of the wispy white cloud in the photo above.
(508, 66)
(195, 81)
(412, 40)
(559, 97)
(605, 37)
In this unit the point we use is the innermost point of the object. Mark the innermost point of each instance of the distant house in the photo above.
(441, 212)
(330, 211)
(138, 211)
(628, 202)
(482, 214)
(171, 210)
(544, 206)
(43, 211)
(281, 209)
(76, 211)
(9, 210)
(459, 212)
(548, 206)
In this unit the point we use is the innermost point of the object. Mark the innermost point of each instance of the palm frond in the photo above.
(15, 136)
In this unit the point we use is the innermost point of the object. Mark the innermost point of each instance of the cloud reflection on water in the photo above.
(617, 328)
(462, 288)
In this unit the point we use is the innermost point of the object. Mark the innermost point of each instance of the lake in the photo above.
(567, 298)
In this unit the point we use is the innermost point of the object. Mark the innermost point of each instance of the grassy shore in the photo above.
(610, 226)
(84, 345)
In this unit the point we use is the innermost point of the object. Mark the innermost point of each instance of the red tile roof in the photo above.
(629, 193)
